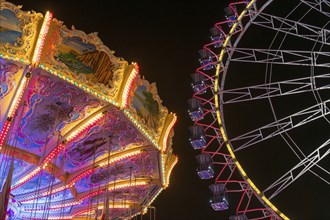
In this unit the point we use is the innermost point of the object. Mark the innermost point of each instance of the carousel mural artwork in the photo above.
(82, 134)
(10, 29)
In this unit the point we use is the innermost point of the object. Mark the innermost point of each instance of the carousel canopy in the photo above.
(81, 133)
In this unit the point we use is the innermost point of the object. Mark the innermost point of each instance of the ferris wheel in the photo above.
(261, 110)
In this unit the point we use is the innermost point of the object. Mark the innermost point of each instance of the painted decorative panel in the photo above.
(7, 81)
(113, 133)
(80, 107)
(10, 30)
(20, 167)
(41, 181)
(141, 166)
(56, 197)
(18, 32)
(83, 58)
(51, 104)
(146, 106)
(14, 208)
(10, 75)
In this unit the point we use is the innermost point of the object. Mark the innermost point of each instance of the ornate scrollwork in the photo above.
(27, 22)
(153, 129)
(105, 85)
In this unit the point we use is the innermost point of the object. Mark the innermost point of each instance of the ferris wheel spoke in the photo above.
(268, 90)
(285, 57)
(295, 28)
(317, 4)
(321, 173)
(283, 125)
(298, 46)
(298, 170)
(317, 170)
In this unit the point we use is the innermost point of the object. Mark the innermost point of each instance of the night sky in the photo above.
(163, 37)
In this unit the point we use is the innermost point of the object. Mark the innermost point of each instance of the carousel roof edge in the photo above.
(45, 43)
(54, 39)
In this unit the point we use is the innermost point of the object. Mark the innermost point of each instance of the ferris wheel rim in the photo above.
(219, 112)
(219, 109)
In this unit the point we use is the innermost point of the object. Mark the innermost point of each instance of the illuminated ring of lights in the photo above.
(72, 182)
(220, 121)
(322, 103)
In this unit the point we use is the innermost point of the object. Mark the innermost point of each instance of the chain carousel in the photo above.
(82, 134)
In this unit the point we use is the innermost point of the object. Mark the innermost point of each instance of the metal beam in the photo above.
(298, 170)
(283, 125)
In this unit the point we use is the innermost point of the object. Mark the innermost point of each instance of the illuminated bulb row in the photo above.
(88, 210)
(59, 206)
(163, 168)
(34, 209)
(113, 160)
(137, 67)
(42, 218)
(129, 83)
(146, 134)
(52, 154)
(116, 206)
(224, 136)
(92, 194)
(18, 97)
(169, 172)
(121, 157)
(43, 165)
(118, 186)
(238, 165)
(167, 132)
(61, 146)
(59, 217)
(136, 214)
(125, 185)
(85, 126)
(28, 198)
(55, 190)
(4, 132)
(53, 207)
(26, 178)
(153, 199)
(42, 37)
(22, 60)
(79, 85)
(80, 176)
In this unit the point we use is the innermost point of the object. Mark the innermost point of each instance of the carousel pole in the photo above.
(37, 54)
(5, 133)
(130, 187)
(52, 173)
(106, 215)
(91, 188)
(6, 192)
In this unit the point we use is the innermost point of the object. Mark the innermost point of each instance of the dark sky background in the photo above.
(163, 37)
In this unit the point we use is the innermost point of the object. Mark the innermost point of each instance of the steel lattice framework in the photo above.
(310, 78)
